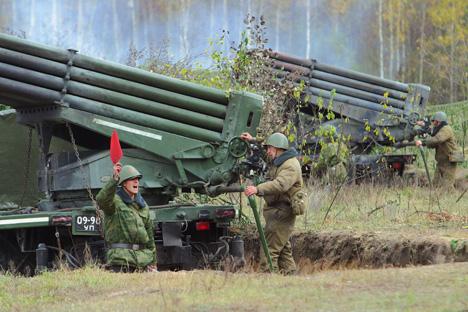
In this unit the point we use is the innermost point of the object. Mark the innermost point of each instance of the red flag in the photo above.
(115, 149)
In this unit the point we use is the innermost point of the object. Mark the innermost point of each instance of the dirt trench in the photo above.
(340, 249)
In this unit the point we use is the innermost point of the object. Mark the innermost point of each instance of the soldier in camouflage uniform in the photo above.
(283, 178)
(128, 229)
(443, 140)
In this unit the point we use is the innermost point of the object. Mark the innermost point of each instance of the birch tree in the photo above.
(381, 42)
(447, 51)
(115, 27)
(79, 25)
(212, 18)
(392, 43)
(132, 8)
(422, 42)
(308, 27)
(55, 21)
(277, 24)
(32, 18)
(398, 37)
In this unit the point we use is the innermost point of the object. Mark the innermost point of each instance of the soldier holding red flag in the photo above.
(128, 229)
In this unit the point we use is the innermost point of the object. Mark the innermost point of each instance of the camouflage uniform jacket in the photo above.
(443, 142)
(284, 178)
(126, 221)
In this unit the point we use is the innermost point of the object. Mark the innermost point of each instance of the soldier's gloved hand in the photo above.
(246, 137)
(117, 168)
(418, 143)
(250, 190)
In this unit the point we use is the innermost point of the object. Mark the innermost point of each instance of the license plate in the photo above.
(87, 224)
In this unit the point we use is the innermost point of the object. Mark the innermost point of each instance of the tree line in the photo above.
(422, 41)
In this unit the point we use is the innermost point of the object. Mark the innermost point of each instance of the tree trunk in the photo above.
(277, 26)
(13, 14)
(54, 22)
(79, 26)
(249, 14)
(32, 19)
(153, 35)
(403, 51)
(398, 39)
(167, 21)
(144, 11)
(381, 46)
(225, 15)
(240, 19)
(225, 25)
(260, 8)
(186, 14)
(182, 29)
(212, 18)
(422, 42)
(308, 26)
(392, 43)
(115, 27)
(452, 60)
(134, 39)
(168, 29)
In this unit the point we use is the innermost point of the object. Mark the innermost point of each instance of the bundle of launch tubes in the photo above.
(351, 88)
(33, 75)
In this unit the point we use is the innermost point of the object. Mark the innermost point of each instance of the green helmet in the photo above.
(278, 140)
(439, 116)
(128, 172)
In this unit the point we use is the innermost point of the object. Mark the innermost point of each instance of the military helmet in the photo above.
(277, 140)
(129, 172)
(439, 116)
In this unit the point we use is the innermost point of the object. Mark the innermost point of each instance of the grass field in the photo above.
(429, 288)
(390, 209)
(384, 208)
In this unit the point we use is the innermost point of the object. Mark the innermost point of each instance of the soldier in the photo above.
(283, 179)
(447, 151)
(128, 229)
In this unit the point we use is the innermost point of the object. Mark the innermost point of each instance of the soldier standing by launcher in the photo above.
(283, 179)
(128, 229)
(447, 152)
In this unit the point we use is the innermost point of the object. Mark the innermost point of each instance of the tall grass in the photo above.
(396, 206)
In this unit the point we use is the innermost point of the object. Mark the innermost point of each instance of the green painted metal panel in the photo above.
(187, 212)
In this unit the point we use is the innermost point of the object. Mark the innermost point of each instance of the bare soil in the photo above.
(346, 249)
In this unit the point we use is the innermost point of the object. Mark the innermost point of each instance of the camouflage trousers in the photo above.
(278, 229)
(444, 176)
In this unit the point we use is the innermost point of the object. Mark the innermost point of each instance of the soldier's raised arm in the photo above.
(105, 197)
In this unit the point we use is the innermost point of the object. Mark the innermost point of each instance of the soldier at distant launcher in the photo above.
(447, 154)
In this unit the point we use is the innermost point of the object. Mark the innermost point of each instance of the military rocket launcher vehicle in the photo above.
(181, 136)
(367, 110)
